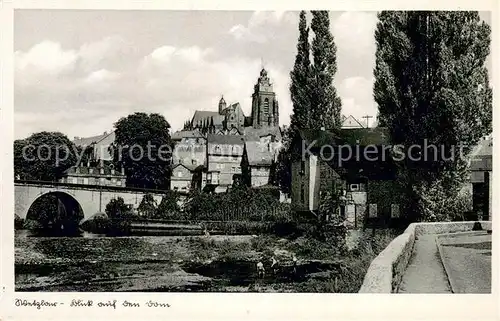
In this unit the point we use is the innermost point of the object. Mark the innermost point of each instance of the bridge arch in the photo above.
(56, 210)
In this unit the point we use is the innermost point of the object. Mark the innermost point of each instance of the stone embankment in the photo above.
(386, 271)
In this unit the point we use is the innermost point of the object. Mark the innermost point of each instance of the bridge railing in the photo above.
(95, 187)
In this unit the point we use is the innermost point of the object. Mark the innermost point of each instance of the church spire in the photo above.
(222, 105)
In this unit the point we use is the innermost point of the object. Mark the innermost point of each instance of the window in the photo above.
(80, 181)
(372, 211)
(176, 188)
(302, 194)
(354, 187)
(193, 162)
(266, 106)
(302, 167)
(217, 149)
(394, 210)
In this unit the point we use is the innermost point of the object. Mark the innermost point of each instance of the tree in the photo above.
(431, 84)
(169, 206)
(300, 86)
(134, 136)
(43, 156)
(283, 169)
(117, 209)
(325, 104)
(147, 207)
(120, 215)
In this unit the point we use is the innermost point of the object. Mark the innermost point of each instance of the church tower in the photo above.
(222, 105)
(264, 104)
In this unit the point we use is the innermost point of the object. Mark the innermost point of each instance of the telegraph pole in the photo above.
(367, 120)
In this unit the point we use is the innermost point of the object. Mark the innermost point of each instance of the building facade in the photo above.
(224, 155)
(94, 175)
(359, 183)
(100, 145)
(481, 178)
(220, 136)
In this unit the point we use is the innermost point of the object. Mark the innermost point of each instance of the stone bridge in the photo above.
(88, 199)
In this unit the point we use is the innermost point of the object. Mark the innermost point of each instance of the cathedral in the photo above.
(215, 149)
(231, 119)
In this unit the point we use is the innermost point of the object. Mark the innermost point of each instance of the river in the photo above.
(156, 263)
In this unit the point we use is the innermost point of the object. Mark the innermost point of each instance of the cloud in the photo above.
(170, 80)
(357, 97)
(101, 75)
(47, 56)
(354, 32)
(257, 29)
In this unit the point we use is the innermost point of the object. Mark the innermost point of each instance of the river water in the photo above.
(148, 263)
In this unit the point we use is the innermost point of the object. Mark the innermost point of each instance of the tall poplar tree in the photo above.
(326, 104)
(431, 83)
(300, 78)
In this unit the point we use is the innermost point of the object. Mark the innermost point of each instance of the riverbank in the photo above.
(214, 263)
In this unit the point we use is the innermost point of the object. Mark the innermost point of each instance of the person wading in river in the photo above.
(274, 265)
(260, 270)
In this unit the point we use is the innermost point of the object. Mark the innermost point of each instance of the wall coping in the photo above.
(385, 272)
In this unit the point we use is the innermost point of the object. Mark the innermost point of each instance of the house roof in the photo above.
(178, 135)
(351, 122)
(254, 134)
(355, 161)
(258, 154)
(347, 136)
(87, 141)
(225, 139)
(484, 148)
(85, 171)
(201, 115)
(189, 167)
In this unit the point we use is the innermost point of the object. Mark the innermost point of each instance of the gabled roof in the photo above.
(225, 139)
(202, 115)
(87, 141)
(178, 135)
(254, 134)
(258, 154)
(351, 122)
(355, 160)
(189, 167)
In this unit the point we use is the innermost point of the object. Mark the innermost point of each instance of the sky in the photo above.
(80, 71)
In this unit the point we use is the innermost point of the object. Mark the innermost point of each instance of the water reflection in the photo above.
(34, 233)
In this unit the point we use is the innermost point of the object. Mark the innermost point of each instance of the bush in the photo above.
(438, 203)
(239, 203)
(120, 215)
(18, 222)
(169, 208)
(147, 207)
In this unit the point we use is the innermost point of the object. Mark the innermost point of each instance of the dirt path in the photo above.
(425, 272)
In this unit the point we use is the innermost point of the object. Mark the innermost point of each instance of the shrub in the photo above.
(147, 207)
(439, 203)
(169, 208)
(120, 215)
(239, 203)
(18, 222)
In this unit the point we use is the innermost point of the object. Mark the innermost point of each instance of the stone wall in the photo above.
(386, 270)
